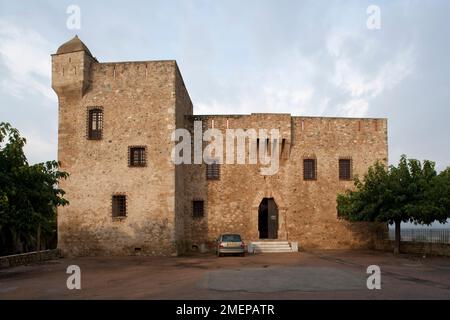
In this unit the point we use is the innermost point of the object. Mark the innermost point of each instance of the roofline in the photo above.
(347, 118)
(139, 61)
(60, 54)
(299, 117)
(117, 62)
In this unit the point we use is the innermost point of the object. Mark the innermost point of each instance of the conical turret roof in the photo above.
(73, 45)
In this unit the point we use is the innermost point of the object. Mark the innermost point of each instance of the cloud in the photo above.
(285, 85)
(342, 76)
(355, 108)
(367, 72)
(38, 149)
(25, 54)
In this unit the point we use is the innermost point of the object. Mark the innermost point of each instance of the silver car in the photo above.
(230, 243)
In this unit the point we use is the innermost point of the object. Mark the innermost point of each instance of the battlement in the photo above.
(75, 71)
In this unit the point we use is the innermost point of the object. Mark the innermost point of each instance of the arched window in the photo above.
(95, 124)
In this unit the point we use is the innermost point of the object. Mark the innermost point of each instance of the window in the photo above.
(213, 171)
(95, 124)
(309, 169)
(119, 206)
(345, 169)
(231, 238)
(136, 156)
(197, 208)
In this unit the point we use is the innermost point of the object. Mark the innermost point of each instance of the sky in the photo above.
(310, 58)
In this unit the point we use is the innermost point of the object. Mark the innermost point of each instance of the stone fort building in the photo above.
(128, 197)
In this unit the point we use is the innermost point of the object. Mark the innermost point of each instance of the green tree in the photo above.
(410, 192)
(29, 195)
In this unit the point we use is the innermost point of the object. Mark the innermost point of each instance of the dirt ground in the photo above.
(303, 275)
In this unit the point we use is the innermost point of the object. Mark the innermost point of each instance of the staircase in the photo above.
(272, 246)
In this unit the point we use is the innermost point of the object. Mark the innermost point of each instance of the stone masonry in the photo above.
(142, 103)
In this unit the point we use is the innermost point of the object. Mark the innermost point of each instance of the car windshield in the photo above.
(231, 238)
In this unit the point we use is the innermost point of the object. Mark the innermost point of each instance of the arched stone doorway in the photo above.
(282, 214)
(268, 219)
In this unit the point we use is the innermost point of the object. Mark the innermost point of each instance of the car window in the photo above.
(231, 238)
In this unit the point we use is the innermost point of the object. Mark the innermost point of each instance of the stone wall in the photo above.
(183, 108)
(138, 102)
(29, 258)
(307, 209)
(411, 247)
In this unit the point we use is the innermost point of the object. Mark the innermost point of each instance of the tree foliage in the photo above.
(29, 195)
(410, 192)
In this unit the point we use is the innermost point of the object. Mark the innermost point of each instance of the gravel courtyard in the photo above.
(303, 275)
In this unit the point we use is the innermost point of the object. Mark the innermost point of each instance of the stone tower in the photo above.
(71, 67)
(114, 139)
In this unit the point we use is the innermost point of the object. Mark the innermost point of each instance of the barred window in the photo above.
(119, 206)
(309, 169)
(198, 208)
(95, 124)
(213, 171)
(137, 156)
(345, 169)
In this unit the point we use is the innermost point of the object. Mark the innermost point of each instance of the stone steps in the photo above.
(271, 246)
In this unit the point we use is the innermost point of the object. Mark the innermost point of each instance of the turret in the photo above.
(71, 68)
